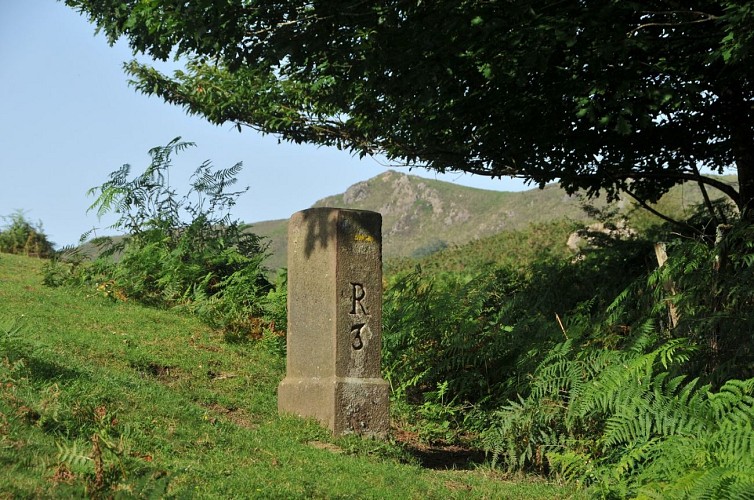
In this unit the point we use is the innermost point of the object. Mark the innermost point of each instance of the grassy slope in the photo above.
(184, 409)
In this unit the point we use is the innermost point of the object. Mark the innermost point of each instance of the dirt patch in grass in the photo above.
(162, 372)
(440, 456)
(63, 474)
(233, 415)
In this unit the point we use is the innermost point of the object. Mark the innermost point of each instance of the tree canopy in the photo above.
(599, 95)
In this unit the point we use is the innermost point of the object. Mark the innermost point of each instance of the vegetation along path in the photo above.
(102, 398)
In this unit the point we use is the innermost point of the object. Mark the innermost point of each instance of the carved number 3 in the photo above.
(357, 343)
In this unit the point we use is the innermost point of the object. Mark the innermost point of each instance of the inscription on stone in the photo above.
(357, 296)
(358, 342)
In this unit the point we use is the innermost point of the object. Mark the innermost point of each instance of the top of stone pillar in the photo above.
(320, 232)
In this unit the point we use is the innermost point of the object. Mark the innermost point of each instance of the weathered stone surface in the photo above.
(335, 321)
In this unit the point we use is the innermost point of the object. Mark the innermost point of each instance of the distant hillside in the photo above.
(421, 215)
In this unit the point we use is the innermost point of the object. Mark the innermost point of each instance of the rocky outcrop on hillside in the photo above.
(594, 233)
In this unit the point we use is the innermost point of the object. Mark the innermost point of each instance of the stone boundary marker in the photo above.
(335, 321)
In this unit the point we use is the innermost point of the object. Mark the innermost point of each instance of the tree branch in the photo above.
(707, 201)
(662, 216)
(703, 17)
(721, 186)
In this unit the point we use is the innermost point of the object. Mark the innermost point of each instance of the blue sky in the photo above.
(68, 118)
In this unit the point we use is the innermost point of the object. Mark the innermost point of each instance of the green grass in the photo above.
(177, 411)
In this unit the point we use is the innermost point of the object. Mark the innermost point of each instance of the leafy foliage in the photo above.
(621, 423)
(25, 238)
(710, 286)
(516, 249)
(210, 264)
(481, 333)
(631, 404)
(611, 96)
(614, 373)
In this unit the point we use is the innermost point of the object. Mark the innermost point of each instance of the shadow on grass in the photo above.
(36, 367)
(441, 456)
(448, 457)
(41, 370)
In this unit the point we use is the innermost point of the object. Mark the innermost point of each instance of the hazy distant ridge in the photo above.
(421, 215)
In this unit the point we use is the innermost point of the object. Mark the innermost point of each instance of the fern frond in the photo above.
(72, 454)
(733, 394)
(628, 427)
(571, 465)
(644, 336)
(634, 458)
(110, 199)
(713, 483)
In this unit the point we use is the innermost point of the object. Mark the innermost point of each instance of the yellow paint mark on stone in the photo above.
(364, 237)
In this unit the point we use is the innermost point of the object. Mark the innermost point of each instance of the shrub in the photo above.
(579, 369)
(634, 404)
(481, 335)
(25, 238)
(178, 251)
